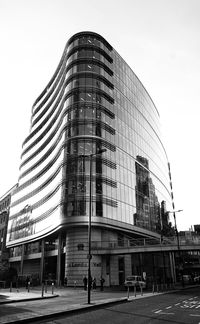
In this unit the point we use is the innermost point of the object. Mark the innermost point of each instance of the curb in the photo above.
(26, 299)
(77, 309)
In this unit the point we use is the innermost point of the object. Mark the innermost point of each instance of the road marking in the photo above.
(191, 298)
(168, 307)
(163, 313)
(177, 304)
(196, 315)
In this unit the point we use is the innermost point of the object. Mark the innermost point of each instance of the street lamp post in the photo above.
(175, 225)
(177, 234)
(89, 224)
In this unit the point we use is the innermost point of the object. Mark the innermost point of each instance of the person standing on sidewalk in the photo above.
(85, 283)
(102, 280)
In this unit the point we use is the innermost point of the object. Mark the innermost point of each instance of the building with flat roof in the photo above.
(4, 215)
(93, 104)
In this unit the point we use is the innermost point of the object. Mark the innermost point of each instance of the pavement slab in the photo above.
(21, 306)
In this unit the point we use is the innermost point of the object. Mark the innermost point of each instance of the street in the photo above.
(180, 307)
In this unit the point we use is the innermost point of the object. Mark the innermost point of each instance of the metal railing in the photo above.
(145, 242)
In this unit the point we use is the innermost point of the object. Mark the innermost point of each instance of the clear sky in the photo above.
(159, 39)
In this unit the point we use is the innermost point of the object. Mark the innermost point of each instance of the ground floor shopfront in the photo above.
(65, 255)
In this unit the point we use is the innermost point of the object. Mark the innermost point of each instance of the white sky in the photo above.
(159, 39)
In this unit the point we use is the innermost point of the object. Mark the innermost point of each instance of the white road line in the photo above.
(177, 304)
(191, 298)
(158, 311)
(168, 307)
(163, 313)
(196, 315)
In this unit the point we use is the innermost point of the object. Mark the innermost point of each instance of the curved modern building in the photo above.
(94, 146)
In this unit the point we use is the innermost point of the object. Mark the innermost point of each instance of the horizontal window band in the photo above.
(92, 75)
(71, 198)
(96, 106)
(90, 34)
(37, 220)
(53, 120)
(61, 79)
(53, 108)
(90, 47)
(62, 62)
(44, 216)
(52, 105)
(63, 71)
(102, 125)
(35, 191)
(79, 61)
(64, 84)
(93, 122)
(47, 167)
(104, 161)
(85, 90)
(98, 198)
(84, 178)
(71, 158)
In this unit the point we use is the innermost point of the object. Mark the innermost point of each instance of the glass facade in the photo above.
(94, 101)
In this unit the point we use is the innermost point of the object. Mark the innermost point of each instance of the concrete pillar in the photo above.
(58, 271)
(42, 260)
(76, 259)
(22, 260)
(128, 267)
(141, 263)
(172, 266)
(114, 270)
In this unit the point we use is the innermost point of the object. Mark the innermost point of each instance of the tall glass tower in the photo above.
(94, 101)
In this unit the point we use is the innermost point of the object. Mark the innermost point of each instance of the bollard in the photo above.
(52, 288)
(153, 290)
(11, 286)
(42, 290)
(141, 288)
(17, 286)
(28, 286)
(157, 288)
(45, 287)
(135, 291)
(127, 292)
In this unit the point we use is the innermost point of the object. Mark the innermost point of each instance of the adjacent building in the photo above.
(94, 142)
(4, 215)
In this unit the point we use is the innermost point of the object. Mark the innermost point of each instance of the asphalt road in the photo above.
(182, 307)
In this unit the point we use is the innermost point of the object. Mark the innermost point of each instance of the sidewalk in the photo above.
(61, 300)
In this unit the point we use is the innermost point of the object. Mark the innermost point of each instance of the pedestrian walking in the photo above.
(94, 285)
(27, 281)
(65, 282)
